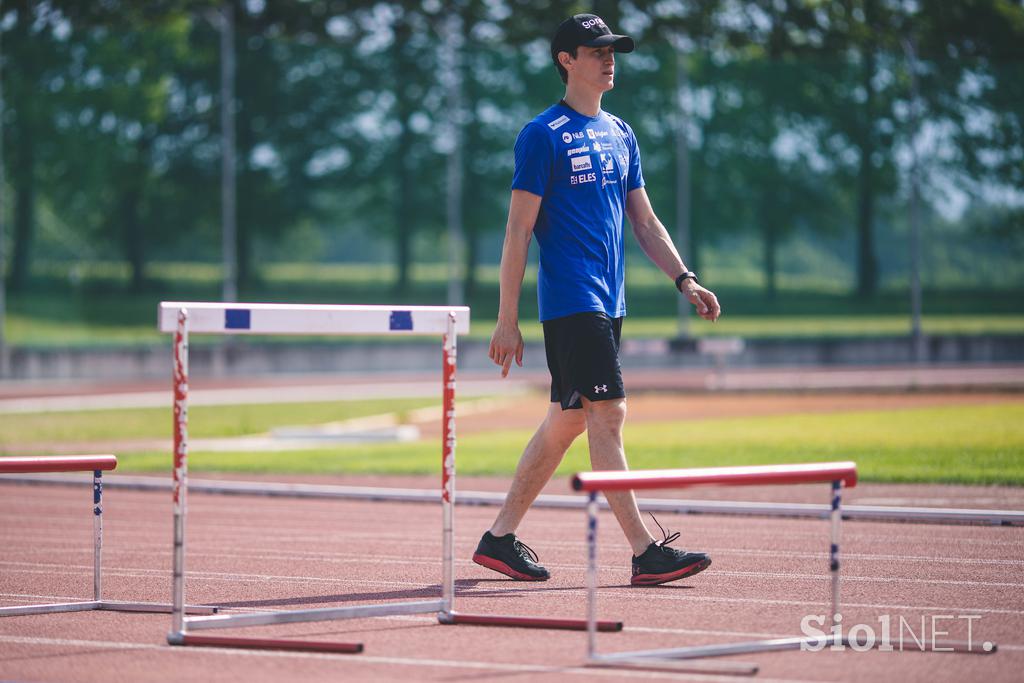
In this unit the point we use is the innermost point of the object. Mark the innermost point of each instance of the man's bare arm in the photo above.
(657, 244)
(507, 340)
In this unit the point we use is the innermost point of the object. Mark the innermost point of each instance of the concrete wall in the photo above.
(240, 358)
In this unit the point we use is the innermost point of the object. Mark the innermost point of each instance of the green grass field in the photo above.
(971, 444)
(93, 304)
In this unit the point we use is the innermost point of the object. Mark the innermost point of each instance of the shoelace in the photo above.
(525, 551)
(667, 538)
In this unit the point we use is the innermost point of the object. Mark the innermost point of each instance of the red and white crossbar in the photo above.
(97, 464)
(837, 474)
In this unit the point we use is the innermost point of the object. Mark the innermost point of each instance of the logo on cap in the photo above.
(596, 21)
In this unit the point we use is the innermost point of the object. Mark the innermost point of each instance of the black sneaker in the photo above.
(661, 564)
(510, 556)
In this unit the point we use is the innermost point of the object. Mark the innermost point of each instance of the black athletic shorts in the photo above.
(583, 358)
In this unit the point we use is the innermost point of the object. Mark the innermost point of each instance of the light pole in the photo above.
(916, 336)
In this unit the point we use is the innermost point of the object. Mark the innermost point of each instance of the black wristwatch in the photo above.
(688, 275)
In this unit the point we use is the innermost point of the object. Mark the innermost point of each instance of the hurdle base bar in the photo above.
(155, 607)
(264, 643)
(107, 605)
(777, 645)
(306, 615)
(456, 618)
(679, 666)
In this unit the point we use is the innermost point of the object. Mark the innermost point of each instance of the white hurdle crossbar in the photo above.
(181, 318)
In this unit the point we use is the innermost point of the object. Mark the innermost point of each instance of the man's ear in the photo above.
(565, 59)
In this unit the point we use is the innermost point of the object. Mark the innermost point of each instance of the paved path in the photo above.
(25, 397)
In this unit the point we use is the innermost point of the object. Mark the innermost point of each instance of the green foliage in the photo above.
(800, 122)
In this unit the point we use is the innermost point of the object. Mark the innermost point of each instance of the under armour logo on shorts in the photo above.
(600, 388)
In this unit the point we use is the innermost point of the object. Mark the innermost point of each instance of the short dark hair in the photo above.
(562, 73)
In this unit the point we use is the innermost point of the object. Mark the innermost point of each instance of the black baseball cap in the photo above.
(588, 30)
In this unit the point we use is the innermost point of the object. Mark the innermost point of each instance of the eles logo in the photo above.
(596, 21)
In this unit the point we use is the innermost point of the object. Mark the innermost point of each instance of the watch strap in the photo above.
(687, 275)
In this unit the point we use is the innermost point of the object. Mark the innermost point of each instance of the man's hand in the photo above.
(506, 344)
(703, 300)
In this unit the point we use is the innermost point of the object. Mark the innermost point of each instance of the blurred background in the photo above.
(850, 169)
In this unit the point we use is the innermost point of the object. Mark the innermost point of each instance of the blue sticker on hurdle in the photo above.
(401, 320)
(237, 319)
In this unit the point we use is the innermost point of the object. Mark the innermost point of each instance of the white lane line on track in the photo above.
(27, 567)
(657, 596)
(355, 660)
(322, 539)
(1011, 647)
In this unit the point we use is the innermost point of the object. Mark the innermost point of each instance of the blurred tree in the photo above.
(34, 50)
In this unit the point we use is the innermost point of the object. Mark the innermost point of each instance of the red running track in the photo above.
(251, 553)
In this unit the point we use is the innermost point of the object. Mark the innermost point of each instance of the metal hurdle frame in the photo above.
(181, 318)
(836, 474)
(97, 464)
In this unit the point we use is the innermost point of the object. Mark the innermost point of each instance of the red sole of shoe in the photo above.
(655, 579)
(501, 567)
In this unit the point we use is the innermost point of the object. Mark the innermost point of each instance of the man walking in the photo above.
(577, 170)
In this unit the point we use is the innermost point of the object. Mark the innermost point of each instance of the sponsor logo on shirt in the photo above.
(607, 164)
(624, 158)
(581, 164)
(582, 178)
(595, 134)
(577, 150)
(578, 134)
(559, 122)
(566, 137)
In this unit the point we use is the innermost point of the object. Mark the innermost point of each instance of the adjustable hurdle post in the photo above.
(835, 518)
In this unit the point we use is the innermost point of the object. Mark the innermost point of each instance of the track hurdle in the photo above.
(97, 464)
(185, 318)
(836, 474)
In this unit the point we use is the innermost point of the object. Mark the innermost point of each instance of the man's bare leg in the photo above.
(539, 461)
(604, 431)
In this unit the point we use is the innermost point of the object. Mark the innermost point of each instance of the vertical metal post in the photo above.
(451, 76)
(229, 229)
(97, 534)
(448, 470)
(4, 369)
(836, 518)
(917, 340)
(180, 485)
(592, 575)
(682, 180)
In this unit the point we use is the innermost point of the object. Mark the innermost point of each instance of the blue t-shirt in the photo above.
(582, 167)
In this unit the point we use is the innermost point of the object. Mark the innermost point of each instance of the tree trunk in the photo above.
(867, 263)
(24, 179)
(769, 255)
(404, 184)
(133, 240)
